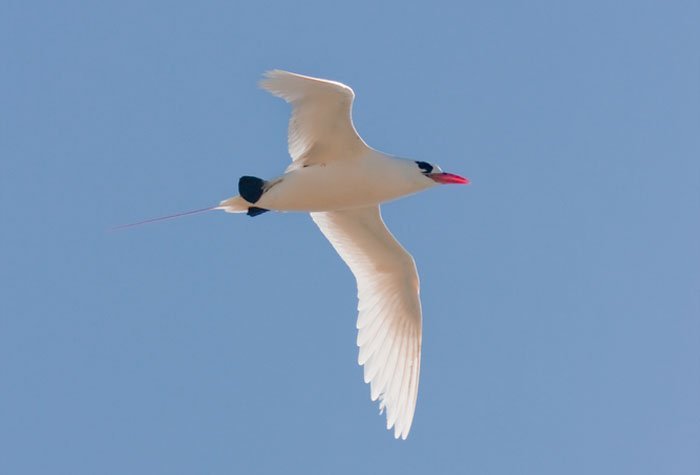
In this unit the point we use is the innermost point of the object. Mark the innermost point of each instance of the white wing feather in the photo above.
(321, 127)
(389, 320)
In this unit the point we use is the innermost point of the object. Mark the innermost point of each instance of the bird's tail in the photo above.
(164, 218)
(235, 204)
(251, 189)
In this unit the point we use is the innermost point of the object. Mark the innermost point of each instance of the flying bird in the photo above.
(341, 181)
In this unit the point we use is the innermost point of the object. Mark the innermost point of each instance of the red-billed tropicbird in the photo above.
(341, 181)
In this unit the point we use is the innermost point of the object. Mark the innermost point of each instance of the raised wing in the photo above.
(321, 124)
(389, 320)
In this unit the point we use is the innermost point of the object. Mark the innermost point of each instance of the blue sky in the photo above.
(560, 289)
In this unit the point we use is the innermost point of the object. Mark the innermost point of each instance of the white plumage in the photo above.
(389, 320)
(341, 181)
(321, 123)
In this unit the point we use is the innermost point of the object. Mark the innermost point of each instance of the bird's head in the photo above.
(436, 174)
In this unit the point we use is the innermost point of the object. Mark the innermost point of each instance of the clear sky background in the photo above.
(561, 290)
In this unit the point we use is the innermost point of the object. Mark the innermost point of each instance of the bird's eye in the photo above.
(425, 166)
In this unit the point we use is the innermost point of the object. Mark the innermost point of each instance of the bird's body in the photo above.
(366, 179)
(341, 182)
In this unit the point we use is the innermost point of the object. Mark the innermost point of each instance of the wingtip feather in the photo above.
(270, 78)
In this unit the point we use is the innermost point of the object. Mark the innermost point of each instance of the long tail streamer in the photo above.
(164, 218)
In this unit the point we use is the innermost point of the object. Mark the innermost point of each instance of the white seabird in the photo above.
(341, 181)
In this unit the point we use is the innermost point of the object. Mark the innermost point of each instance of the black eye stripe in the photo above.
(425, 166)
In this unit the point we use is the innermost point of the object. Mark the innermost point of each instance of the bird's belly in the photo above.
(327, 188)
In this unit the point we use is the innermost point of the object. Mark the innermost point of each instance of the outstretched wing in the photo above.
(389, 320)
(321, 123)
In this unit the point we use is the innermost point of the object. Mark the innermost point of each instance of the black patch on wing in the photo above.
(254, 211)
(250, 188)
(425, 166)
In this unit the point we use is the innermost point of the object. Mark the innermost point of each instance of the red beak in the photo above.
(448, 178)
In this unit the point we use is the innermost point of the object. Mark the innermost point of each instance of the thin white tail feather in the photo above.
(165, 218)
(235, 204)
